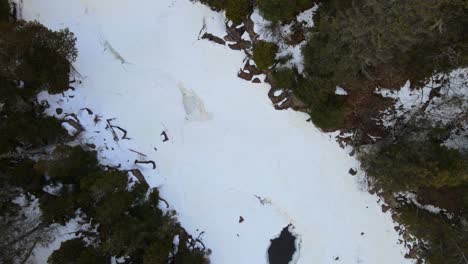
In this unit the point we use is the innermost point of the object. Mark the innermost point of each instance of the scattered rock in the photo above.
(352, 171)
(337, 258)
(395, 217)
(256, 80)
(241, 45)
(385, 208)
(229, 38)
(213, 38)
(90, 145)
(235, 33)
(249, 27)
(59, 111)
(251, 68)
(165, 137)
(241, 219)
(137, 173)
(245, 75)
(412, 254)
(362, 233)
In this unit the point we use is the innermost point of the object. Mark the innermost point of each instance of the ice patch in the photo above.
(193, 105)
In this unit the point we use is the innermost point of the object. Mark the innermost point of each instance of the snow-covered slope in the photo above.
(228, 153)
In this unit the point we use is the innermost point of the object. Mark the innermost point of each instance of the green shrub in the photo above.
(237, 10)
(359, 43)
(57, 209)
(264, 54)
(327, 111)
(36, 55)
(439, 240)
(277, 10)
(76, 251)
(68, 164)
(27, 129)
(4, 11)
(285, 78)
(407, 166)
(216, 5)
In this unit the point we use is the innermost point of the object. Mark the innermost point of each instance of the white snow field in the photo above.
(229, 153)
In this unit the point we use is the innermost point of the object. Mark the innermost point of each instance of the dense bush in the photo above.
(440, 241)
(76, 251)
(237, 10)
(404, 166)
(39, 57)
(216, 5)
(359, 42)
(285, 78)
(28, 130)
(68, 164)
(4, 11)
(264, 54)
(282, 10)
(416, 159)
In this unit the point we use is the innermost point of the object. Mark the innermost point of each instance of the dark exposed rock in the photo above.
(385, 208)
(230, 38)
(213, 38)
(241, 219)
(241, 45)
(165, 137)
(251, 68)
(90, 145)
(245, 75)
(59, 111)
(256, 80)
(352, 171)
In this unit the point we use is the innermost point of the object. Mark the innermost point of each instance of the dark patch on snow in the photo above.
(165, 137)
(282, 248)
(241, 219)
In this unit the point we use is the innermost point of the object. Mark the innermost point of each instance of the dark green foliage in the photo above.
(23, 174)
(5, 10)
(358, 42)
(157, 253)
(58, 209)
(264, 54)
(36, 55)
(75, 251)
(404, 166)
(129, 222)
(216, 5)
(237, 10)
(68, 164)
(416, 159)
(29, 130)
(277, 10)
(188, 255)
(445, 242)
(285, 78)
(282, 11)
(327, 111)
